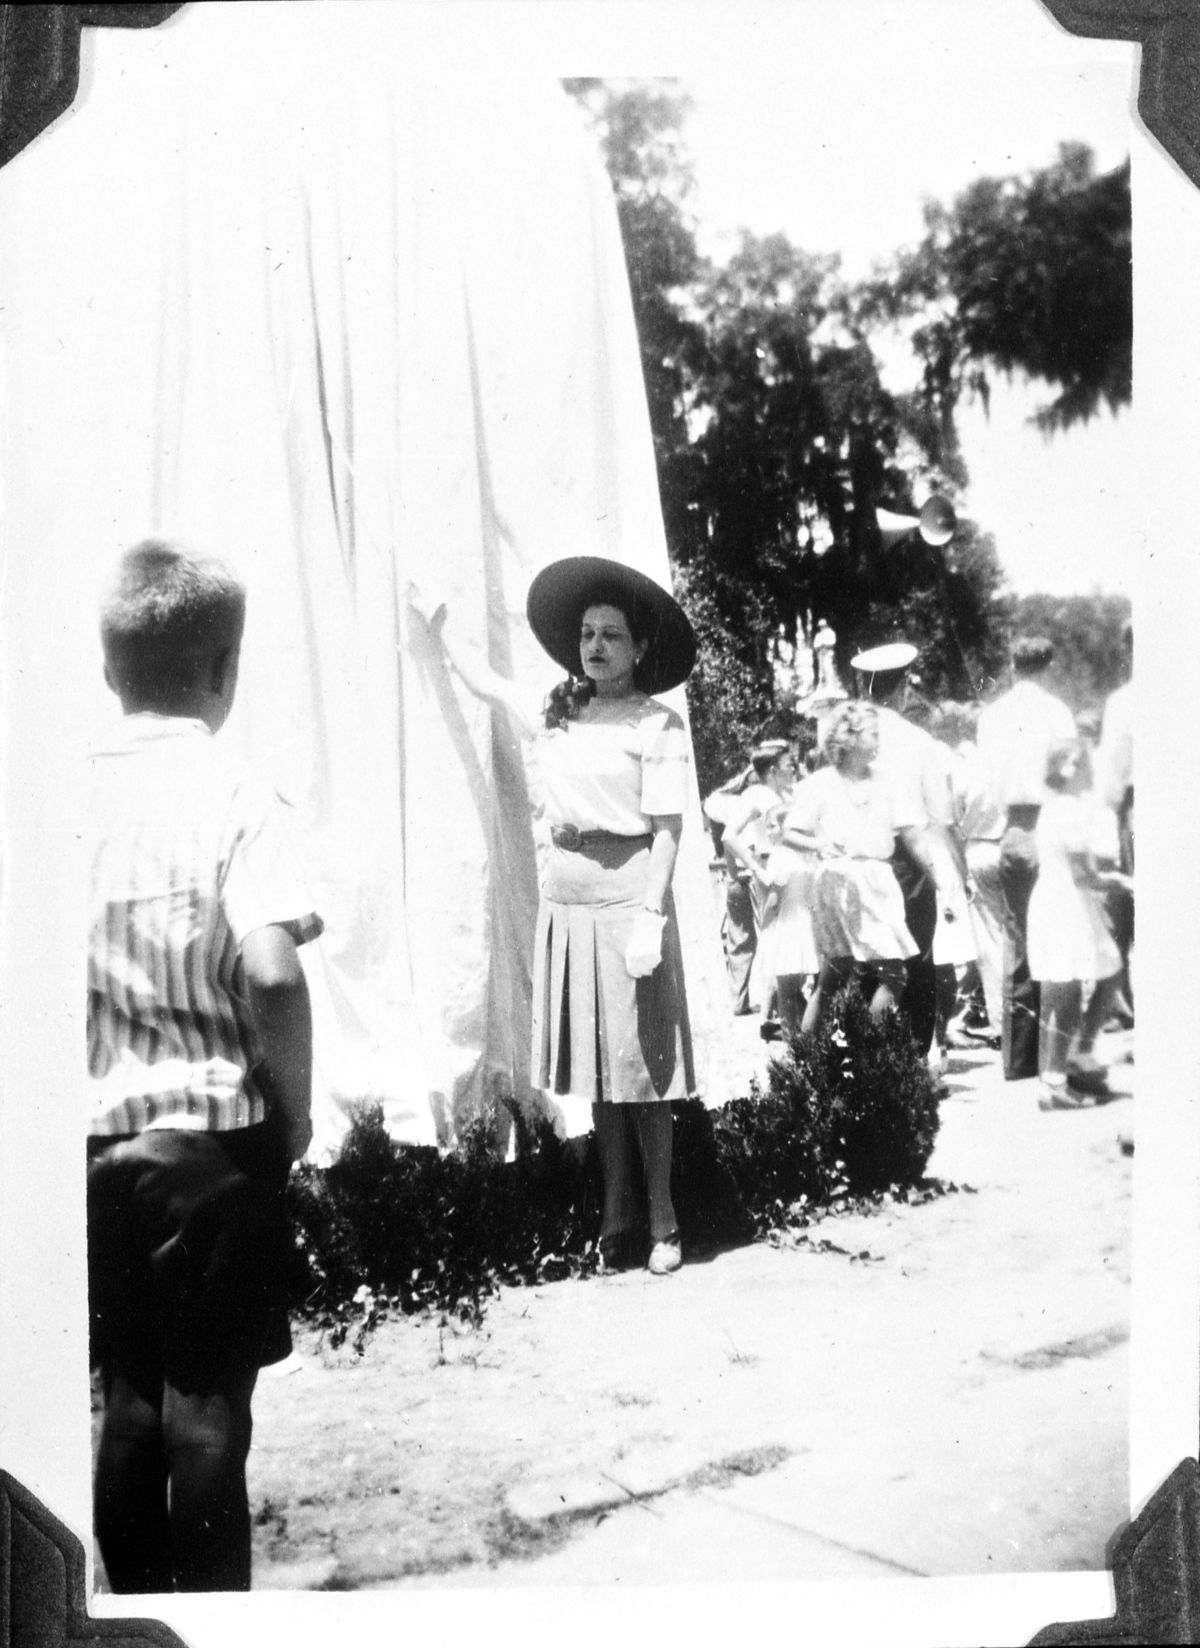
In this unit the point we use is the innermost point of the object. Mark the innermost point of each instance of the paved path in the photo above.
(945, 1407)
(935, 1389)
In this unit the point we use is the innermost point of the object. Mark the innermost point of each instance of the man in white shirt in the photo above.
(1015, 736)
(910, 763)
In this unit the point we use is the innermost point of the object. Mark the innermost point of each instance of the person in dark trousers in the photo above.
(1015, 736)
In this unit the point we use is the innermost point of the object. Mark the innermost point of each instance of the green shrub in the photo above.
(709, 1196)
(872, 1105)
(851, 1110)
(418, 1227)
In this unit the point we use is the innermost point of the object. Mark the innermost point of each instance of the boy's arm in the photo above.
(739, 846)
(278, 993)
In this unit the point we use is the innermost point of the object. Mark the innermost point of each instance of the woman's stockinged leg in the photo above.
(888, 988)
(1062, 1008)
(652, 1123)
(616, 1167)
(1099, 1007)
(832, 975)
(791, 1001)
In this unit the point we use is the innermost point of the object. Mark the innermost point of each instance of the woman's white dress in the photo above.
(1068, 937)
(788, 941)
(857, 906)
(599, 1034)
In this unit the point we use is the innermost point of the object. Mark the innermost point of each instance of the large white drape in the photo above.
(267, 290)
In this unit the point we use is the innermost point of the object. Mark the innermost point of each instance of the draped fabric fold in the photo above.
(349, 325)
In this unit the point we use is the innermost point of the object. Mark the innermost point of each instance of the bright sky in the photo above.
(834, 123)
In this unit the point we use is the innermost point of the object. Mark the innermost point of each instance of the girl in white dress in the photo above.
(1069, 940)
(610, 1019)
(788, 941)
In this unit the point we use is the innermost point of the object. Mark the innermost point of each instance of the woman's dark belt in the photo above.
(571, 839)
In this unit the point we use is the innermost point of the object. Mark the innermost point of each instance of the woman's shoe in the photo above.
(665, 1256)
(1056, 1095)
(613, 1253)
(1085, 1074)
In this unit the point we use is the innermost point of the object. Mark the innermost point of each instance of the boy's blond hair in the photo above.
(167, 616)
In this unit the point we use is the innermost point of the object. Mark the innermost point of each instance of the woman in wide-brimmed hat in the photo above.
(610, 1019)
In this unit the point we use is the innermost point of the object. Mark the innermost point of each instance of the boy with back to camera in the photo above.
(200, 1055)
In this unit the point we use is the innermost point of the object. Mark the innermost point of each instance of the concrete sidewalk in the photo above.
(937, 1389)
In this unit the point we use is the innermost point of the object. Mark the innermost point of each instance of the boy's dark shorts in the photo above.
(189, 1250)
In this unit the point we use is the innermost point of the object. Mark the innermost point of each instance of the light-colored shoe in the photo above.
(1056, 1095)
(665, 1256)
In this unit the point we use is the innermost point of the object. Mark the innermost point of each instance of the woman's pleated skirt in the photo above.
(598, 1033)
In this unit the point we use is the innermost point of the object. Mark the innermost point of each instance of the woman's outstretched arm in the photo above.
(475, 673)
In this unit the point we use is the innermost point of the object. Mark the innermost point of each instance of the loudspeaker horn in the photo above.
(935, 523)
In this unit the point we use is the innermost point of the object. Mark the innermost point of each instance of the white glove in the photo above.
(644, 950)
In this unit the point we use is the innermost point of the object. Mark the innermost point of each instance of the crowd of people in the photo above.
(971, 865)
(919, 859)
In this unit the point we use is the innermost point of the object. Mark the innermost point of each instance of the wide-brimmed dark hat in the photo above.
(561, 592)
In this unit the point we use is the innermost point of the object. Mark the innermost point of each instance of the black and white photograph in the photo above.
(431, 1196)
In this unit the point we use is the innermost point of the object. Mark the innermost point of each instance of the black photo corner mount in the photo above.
(43, 1593)
(1155, 1559)
(39, 62)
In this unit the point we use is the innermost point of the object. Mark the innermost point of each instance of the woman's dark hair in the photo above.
(565, 700)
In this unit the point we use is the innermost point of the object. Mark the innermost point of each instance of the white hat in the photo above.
(896, 655)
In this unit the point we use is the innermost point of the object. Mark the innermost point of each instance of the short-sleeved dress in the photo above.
(789, 940)
(1067, 935)
(856, 902)
(598, 1033)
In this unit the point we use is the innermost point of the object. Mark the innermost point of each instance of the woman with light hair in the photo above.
(842, 817)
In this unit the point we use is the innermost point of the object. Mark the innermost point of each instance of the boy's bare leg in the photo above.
(208, 1441)
(130, 1492)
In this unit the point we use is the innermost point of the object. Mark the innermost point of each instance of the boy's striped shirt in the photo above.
(189, 856)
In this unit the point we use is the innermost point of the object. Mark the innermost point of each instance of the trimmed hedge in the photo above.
(849, 1111)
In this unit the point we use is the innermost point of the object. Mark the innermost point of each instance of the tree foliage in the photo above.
(776, 438)
(1029, 274)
